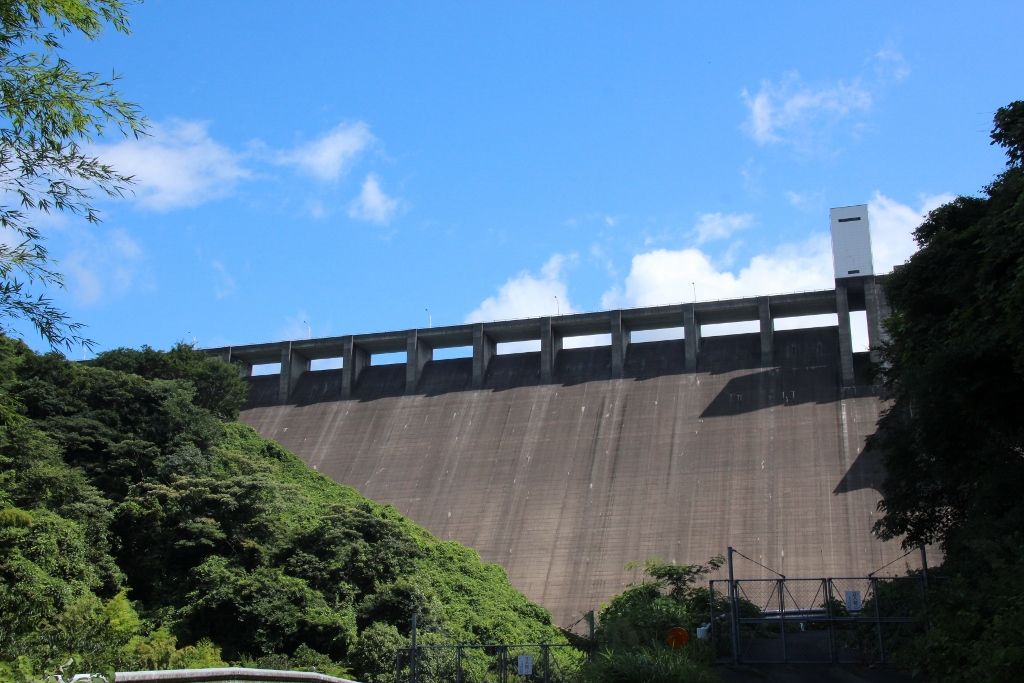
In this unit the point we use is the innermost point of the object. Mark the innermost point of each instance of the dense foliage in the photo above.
(633, 627)
(953, 440)
(138, 530)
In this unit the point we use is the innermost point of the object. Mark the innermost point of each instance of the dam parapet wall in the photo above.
(486, 367)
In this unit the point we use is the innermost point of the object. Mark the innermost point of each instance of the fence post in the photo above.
(413, 659)
(827, 592)
(547, 662)
(735, 624)
(714, 631)
(782, 618)
(878, 620)
(591, 632)
(832, 621)
(924, 567)
(458, 664)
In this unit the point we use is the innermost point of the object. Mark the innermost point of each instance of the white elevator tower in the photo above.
(851, 241)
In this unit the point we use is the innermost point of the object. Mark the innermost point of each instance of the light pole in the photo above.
(309, 329)
(694, 285)
(430, 321)
(558, 308)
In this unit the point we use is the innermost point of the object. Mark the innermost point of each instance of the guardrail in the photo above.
(225, 675)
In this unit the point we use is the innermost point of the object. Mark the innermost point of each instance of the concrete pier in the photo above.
(691, 330)
(845, 340)
(293, 364)
(418, 354)
(764, 310)
(620, 344)
(550, 345)
(484, 349)
(354, 360)
(877, 308)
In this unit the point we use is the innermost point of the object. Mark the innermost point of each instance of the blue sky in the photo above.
(335, 168)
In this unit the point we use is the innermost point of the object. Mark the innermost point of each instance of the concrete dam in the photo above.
(565, 464)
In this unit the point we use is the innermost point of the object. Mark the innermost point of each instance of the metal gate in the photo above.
(857, 620)
(828, 620)
(478, 663)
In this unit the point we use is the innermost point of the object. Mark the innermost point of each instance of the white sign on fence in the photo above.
(853, 603)
(525, 665)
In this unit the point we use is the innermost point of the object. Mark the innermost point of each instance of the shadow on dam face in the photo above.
(564, 483)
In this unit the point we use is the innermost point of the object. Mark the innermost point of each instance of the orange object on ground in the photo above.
(677, 637)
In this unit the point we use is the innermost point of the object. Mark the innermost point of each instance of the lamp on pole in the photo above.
(309, 329)
(430, 321)
(558, 308)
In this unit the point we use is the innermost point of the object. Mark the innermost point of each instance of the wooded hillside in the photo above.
(139, 529)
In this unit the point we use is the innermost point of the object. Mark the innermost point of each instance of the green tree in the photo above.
(633, 626)
(374, 655)
(954, 437)
(219, 386)
(48, 109)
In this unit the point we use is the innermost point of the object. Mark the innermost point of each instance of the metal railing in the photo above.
(820, 620)
(482, 663)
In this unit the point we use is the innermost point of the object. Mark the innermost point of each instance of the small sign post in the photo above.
(853, 601)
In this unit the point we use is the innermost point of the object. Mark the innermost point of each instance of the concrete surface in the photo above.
(564, 483)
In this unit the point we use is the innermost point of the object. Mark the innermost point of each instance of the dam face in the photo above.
(564, 473)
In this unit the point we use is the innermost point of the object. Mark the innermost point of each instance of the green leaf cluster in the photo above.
(139, 530)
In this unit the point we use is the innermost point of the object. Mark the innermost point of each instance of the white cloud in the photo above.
(679, 276)
(529, 295)
(608, 220)
(890, 65)
(791, 111)
(331, 155)
(716, 226)
(806, 201)
(178, 165)
(83, 281)
(317, 210)
(103, 265)
(892, 228)
(225, 286)
(372, 204)
(667, 276)
(751, 175)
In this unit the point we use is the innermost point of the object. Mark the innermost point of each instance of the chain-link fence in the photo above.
(828, 620)
(476, 663)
